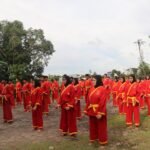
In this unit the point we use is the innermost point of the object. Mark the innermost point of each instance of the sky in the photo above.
(96, 35)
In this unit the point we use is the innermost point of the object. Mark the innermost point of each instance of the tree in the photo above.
(143, 69)
(116, 72)
(3, 70)
(26, 52)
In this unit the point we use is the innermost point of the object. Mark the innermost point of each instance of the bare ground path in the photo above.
(20, 131)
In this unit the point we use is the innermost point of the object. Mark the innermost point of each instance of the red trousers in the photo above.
(37, 118)
(18, 97)
(142, 103)
(114, 99)
(147, 99)
(46, 103)
(68, 121)
(78, 109)
(108, 94)
(124, 108)
(55, 96)
(7, 111)
(133, 114)
(120, 106)
(98, 129)
(26, 102)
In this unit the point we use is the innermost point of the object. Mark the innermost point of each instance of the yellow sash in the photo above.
(93, 106)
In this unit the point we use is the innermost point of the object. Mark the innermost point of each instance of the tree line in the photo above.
(23, 52)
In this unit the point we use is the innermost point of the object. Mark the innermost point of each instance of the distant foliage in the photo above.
(24, 52)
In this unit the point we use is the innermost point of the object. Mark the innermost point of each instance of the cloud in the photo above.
(88, 34)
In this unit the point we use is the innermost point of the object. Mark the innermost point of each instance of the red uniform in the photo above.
(37, 114)
(1, 89)
(132, 102)
(147, 94)
(7, 104)
(88, 85)
(82, 85)
(96, 104)
(115, 88)
(55, 90)
(12, 89)
(140, 88)
(62, 87)
(68, 117)
(31, 86)
(18, 93)
(46, 96)
(78, 94)
(108, 85)
(26, 95)
(121, 98)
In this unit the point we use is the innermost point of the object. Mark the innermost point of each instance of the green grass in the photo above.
(65, 144)
(120, 137)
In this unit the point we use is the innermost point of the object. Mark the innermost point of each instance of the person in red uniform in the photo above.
(121, 95)
(26, 95)
(88, 85)
(1, 89)
(132, 102)
(55, 90)
(68, 105)
(82, 85)
(78, 94)
(107, 82)
(45, 85)
(140, 87)
(31, 83)
(115, 89)
(18, 92)
(147, 92)
(62, 86)
(96, 110)
(127, 82)
(36, 104)
(7, 103)
(12, 89)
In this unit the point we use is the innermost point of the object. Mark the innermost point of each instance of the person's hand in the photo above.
(98, 116)
(35, 107)
(57, 106)
(67, 108)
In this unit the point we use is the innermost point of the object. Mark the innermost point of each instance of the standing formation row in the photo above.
(129, 94)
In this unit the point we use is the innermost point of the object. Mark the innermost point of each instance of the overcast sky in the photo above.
(95, 35)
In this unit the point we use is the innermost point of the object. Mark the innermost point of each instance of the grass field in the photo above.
(120, 137)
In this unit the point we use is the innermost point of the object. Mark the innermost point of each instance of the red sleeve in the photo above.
(7, 94)
(102, 103)
(39, 97)
(78, 92)
(71, 103)
(87, 102)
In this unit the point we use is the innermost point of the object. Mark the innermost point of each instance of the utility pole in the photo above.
(140, 42)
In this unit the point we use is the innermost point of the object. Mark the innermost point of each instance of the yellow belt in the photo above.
(93, 106)
(121, 94)
(133, 98)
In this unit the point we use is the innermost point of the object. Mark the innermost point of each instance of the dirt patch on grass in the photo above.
(20, 131)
